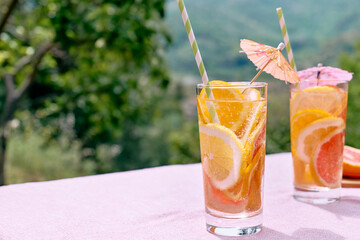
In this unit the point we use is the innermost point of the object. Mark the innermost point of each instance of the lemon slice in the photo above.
(330, 99)
(312, 135)
(221, 154)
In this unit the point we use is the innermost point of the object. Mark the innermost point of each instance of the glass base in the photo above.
(232, 227)
(317, 196)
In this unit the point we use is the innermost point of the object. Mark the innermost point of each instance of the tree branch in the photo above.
(28, 59)
(14, 95)
(10, 101)
(10, 85)
(10, 8)
(22, 63)
(37, 57)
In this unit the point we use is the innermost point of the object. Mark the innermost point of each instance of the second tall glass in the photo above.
(317, 123)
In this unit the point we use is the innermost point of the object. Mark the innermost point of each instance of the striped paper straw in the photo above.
(286, 38)
(199, 61)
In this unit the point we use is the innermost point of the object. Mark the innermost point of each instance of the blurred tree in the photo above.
(93, 70)
(351, 62)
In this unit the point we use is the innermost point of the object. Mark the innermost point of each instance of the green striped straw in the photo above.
(286, 38)
(198, 59)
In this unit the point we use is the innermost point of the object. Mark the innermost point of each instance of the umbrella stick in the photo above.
(261, 70)
(318, 73)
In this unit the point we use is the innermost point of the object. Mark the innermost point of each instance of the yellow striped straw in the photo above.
(286, 38)
(199, 61)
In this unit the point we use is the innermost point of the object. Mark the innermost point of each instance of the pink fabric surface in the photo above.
(162, 203)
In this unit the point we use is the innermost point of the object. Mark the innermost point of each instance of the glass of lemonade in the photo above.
(317, 123)
(232, 155)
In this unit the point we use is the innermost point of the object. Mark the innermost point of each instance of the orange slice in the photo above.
(330, 99)
(254, 147)
(257, 137)
(203, 119)
(351, 164)
(254, 144)
(229, 105)
(240, 190)
(222, 154)
(327, 160)
(302, 119)
(257, 111)
(254, 202)
(312, 135)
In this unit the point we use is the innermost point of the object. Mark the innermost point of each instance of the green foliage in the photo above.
(103, 86)
(30, 160)
(119, 78)
(351, 62)
(278, 119)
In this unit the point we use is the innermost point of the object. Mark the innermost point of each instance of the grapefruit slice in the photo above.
(327, 161)
(351, 164)
(315, 133)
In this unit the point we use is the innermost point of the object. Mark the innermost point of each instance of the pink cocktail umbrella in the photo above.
(324, 73)
(270, 60)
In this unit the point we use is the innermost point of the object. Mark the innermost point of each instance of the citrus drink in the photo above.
(232, 148)
(317, 125)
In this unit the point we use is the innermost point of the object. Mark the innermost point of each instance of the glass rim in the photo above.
(234, 85)
(322, 80)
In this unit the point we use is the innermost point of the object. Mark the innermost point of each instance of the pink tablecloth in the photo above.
(162, 203)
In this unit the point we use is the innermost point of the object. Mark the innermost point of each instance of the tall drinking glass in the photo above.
(317, 123)
(232, 155)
